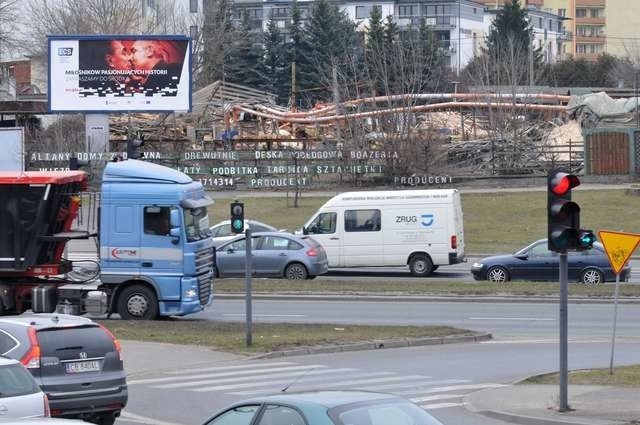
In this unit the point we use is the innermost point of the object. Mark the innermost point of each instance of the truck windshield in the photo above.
(196, 223)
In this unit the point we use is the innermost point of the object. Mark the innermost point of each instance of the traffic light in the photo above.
(237, 217)
(564, 232)
(75, 163)
(134, 145)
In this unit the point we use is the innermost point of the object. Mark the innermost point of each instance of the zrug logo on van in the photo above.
(427, 220)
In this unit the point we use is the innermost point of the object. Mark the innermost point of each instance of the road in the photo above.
(435, 377)
(503, 319)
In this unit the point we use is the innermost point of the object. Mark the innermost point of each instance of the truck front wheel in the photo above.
(138, 302)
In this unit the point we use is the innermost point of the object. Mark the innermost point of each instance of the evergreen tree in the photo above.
(275, 67)
(331, 38)
(243, 65)
(431, 58)
(298, 52)
(507, 56)
(391, 30)
(217, 36)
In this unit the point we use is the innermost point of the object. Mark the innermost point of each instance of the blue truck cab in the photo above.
(156, 253)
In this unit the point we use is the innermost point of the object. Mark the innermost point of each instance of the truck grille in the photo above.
(204, 272)
(204, 287)
(204, 261)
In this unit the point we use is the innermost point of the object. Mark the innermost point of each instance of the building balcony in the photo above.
(594, 39)
(591, 21)
(588, 56)
(590, 3)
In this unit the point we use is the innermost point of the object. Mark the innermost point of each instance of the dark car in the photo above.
(325, 408)
(274, 254)
(536, 262)
(76, 361)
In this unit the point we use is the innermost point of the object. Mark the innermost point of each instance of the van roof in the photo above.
(374, 197)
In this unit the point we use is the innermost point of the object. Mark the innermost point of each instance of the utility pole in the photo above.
(293, 86)
(459, 38)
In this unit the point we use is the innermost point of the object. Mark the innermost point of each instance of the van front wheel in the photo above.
(420, 265)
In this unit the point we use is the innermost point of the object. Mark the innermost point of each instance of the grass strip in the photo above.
(418, 287)
(267, 337)
(623, 376)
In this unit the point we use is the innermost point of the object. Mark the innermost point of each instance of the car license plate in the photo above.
(79, 367)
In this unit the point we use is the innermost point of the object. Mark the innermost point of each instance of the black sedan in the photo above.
(536, 262)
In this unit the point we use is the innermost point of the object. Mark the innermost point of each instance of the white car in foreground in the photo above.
(20, 394)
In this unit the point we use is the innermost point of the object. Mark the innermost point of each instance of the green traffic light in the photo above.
(237, 224)
(586, 239)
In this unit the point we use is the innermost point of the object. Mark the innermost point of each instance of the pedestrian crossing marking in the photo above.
(292, 374)
(223, 374)
(269, 377)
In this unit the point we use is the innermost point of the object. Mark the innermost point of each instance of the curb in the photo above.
(376, 345)
(423, 298)
(525, 420)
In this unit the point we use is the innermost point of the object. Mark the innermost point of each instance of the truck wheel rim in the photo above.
(137, 305)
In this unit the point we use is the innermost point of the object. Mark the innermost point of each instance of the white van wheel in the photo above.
(420, 265)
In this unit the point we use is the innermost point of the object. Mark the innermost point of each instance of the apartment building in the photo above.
(623, 29)
(460, 25)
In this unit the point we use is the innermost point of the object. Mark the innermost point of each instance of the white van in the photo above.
(419, 228)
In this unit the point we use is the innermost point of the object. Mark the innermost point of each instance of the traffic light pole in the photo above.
(564, 297)
(247, 285)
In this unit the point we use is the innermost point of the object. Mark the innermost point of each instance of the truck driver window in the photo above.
(362, 220)
(157, 221)
(324, 223)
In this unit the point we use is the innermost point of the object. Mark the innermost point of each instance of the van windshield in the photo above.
(196, 223)
(323, 223)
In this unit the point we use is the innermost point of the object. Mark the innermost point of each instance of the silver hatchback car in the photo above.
(20, 395)
(275, 254)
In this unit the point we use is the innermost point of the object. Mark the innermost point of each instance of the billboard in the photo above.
(11, 149)
(119, 73)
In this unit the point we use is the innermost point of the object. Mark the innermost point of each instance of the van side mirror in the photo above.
(305, 231)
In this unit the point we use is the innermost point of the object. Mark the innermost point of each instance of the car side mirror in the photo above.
(522, 257)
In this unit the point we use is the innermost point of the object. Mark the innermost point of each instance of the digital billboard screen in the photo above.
(119, 73)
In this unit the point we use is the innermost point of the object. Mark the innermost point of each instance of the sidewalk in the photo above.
(537, 405)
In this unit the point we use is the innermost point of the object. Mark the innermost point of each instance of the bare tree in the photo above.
(49, 17)
(8, 19)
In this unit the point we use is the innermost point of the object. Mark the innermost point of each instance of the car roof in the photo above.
(326, 398)
(256, 234)
(47, 320)
(248, 220)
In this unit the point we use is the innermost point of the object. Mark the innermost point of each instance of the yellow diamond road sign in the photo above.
(619, 247)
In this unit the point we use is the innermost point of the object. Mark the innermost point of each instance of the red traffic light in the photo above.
(560, 183)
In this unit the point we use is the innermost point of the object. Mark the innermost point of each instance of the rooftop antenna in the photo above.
(297, 379)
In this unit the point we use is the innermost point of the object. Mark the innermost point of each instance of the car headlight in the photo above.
(476, 266)
(190, 293)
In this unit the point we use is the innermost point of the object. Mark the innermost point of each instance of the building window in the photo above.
(562, 12)
(597, 13)
(581, 13)
(581, 48)
(364, 12)
(193, 32)
(254, 13)
(193, 6)
(406, 11)
(281, 12)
